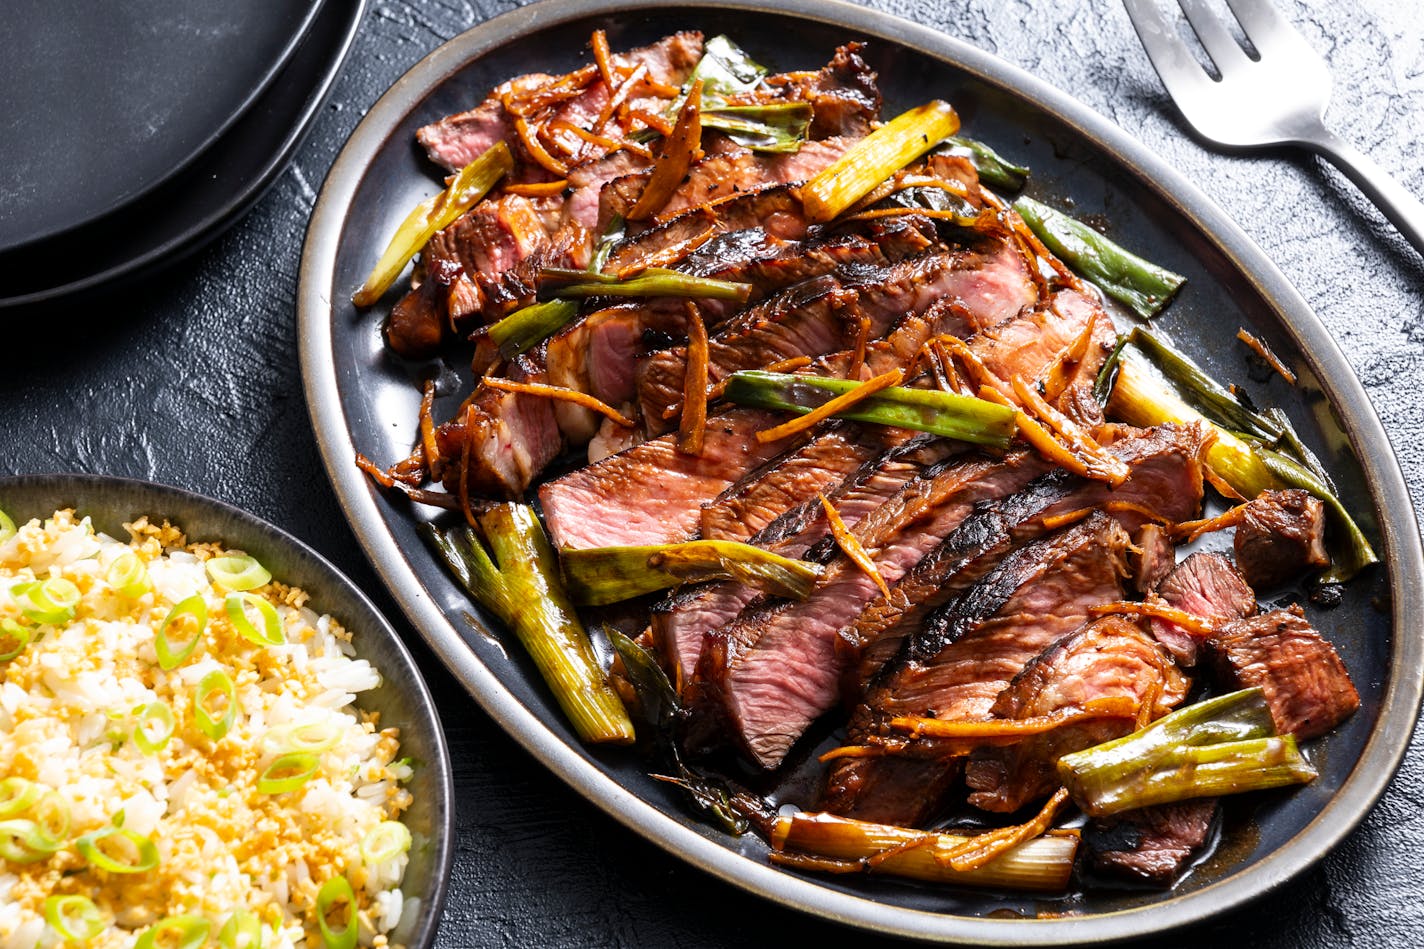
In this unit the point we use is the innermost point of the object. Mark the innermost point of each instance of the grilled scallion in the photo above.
(653, 282)
(471, 184)
(1248, 464)
(600, 575)
(1142, 286)
(1043, 863)
(523, 329)
(520, 584)
(770, 127)
(876, 157)
(923, 410)
(1224, 745)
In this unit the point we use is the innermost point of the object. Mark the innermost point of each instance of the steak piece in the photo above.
(681, 621)
(501, 440)
(1205, 585)
(955, 670)
(459, 139)
(1306, 685)
(1281, 536)
(831, 313)
(762, 679)
(833, 454)
(599, 354)
(1108, 658)
(773, 208)
(1151, 844)
(653, 493)
(844, 97)
(1165, 477)
(727, 172)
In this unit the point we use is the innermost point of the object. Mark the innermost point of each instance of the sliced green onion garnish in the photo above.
(237, 572)
(270, 634)
(154, 728)
(314, 737)
(127, 575)
(288, 772)
(213, 724)
(134, 852)
(192, 611)
(243, 930)
(329, 901)
(175, 932)
(387, 839)
(7, 527)
(49, 602)
(13, 639)
(17, 794)
(74, 917)
(25, 841)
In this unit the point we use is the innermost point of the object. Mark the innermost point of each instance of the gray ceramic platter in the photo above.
(402, 698)
(361, 399)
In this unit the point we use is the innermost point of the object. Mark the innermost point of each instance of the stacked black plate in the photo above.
(131, 134)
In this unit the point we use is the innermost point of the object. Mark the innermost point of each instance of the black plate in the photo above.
(402, 698)
(184, 213)
(363, 400)
(103, 101)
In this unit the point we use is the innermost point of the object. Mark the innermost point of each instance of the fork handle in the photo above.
(1402, 208)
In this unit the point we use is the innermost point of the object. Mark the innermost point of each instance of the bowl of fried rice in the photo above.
(208, 735)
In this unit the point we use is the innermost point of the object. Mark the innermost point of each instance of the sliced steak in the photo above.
(955, 670)
(773, 208)
(759, 498)
(502, 440)
(844, 96)
(762, 679)
(653, 493)
(1306, 685)
(600, 353)
(830, 313)
(1108, 658)
(1165, 477)
(459, 139)
(1281, 536)
(1153, 844)
(1204, 585)
(725, 173)
(681, 621)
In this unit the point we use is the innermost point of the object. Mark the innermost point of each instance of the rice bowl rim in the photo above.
(112, 501)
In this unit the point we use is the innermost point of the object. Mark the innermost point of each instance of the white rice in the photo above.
(67, 713)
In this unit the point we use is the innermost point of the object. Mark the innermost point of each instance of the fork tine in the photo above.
(1219, 44)
(1180, 72)
(1267, 28)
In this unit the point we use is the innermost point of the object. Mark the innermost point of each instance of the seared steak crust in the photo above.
(1306, 685)
(1108, 658)
(765, 677)
(1281, 536)
(1037, 594)
(681, 621)
(1152, 844)
(1165, 477)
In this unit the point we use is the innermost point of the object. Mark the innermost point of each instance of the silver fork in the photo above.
(1279, 99)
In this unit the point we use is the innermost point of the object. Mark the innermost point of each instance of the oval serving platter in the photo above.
(363, 400)
(401, 699)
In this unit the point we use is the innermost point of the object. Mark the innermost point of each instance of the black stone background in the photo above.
(191, 378)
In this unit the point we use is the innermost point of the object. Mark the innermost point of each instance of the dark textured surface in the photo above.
(191, 378)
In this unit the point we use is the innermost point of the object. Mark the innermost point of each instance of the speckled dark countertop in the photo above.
(191, 378)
